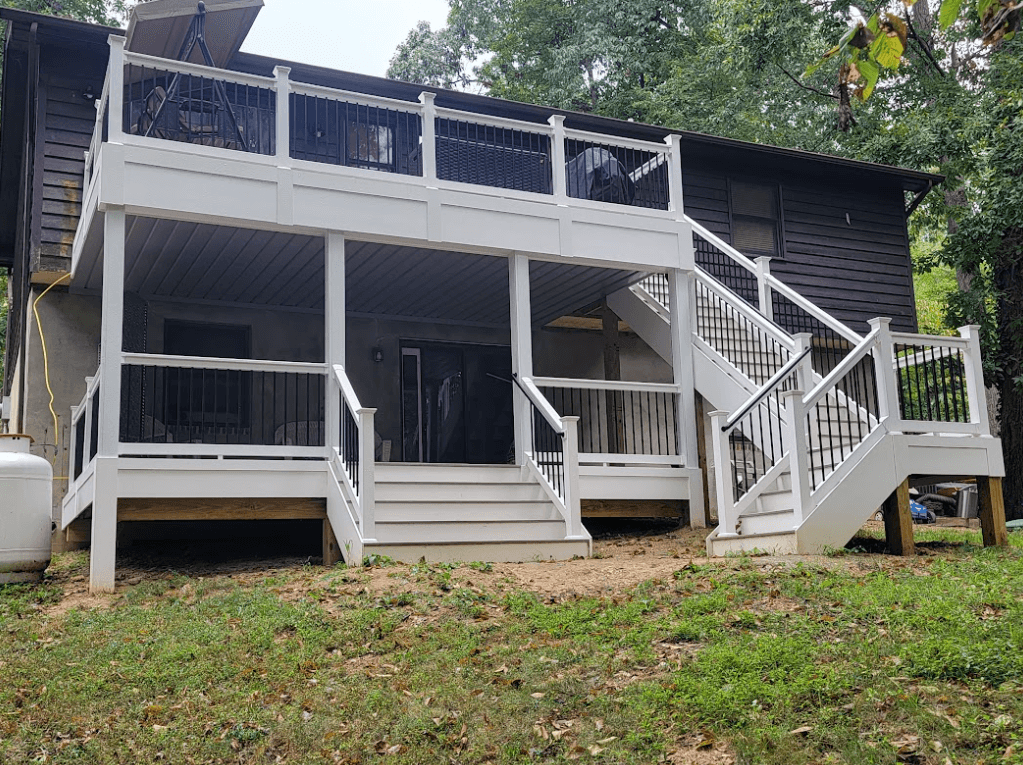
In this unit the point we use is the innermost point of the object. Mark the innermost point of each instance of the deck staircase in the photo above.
(448, 512)
(815, 425)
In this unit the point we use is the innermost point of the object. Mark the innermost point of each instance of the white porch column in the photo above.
(973, 371)
(282, 128)
(521, 348)
(115, 93)
(334, 334)
(429, 154)
(104, 508)
(886, 377)
(681, 307)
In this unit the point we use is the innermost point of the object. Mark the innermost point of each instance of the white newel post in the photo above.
(522, 350)
(725, 491)
(282, 127)
(763, 264)
(104, 509)
(804, 372)
(334, 335)
(115, 96)
(367, 471)
(681, 303)
(571, 455)
(886, 377)
(973, 371)
(675, 194)
(427, 99)
(557, 122)
(799, 455)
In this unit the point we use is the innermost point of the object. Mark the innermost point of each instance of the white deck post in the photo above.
(798, 448)
(367, 470)
(886, 377)
(557, 122)
(115, 95)
(282, 128)
(681, 301)
(804, 372)
(764, 287)
(334, 335)
(973, 371)
(522, 350)
(675, 196)
(429, 135)
(725, 491)
(571, 455)
(104, 508)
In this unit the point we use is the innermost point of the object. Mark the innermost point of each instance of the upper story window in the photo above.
(756, 218)
(369, 145)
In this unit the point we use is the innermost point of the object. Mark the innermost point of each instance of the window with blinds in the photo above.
(755, 218)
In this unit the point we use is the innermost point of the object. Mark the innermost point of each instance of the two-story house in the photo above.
(447, 325)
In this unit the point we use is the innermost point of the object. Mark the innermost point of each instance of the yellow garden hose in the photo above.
(46, 370)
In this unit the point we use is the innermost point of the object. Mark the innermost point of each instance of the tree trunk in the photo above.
(1009, 282)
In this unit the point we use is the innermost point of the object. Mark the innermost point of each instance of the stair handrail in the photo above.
(721, 290)
(559, 476)
(353, 452)
(774, 283)
(788, 369)
(765, 443)
(843, 368)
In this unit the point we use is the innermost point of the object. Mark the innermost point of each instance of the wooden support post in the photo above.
(331, 552)
(613, 400)
(992, 511)
(898, 522)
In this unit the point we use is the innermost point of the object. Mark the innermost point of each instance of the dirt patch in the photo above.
(701, 749)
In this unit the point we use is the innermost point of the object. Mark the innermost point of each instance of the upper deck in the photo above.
(183, 141)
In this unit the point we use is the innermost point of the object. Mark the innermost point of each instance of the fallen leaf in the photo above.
(538, 695)
(802, 731)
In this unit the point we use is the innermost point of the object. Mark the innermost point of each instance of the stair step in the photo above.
(465, 512)
(418, 472)
(778, 543)
(459, 551)
(439, 491)
(774, 501)
(443, 532)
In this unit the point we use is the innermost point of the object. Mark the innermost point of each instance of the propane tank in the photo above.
(26, 496)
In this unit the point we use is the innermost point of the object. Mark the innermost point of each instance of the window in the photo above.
(369, 145)
(203, 399)
(755, 218)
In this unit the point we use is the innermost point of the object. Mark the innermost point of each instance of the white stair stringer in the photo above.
(465, 513)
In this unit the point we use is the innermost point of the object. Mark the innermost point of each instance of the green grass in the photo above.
(863, 659)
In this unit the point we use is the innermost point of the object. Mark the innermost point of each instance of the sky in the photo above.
(353, 35)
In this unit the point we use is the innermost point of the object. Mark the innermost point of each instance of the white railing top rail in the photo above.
(748, 312)
(614, 140)
(814, 310)
(635, 387)
(91, 383)
(205, 362)
(351, 399)
(490, 121)
(528, 387)
(776, 284)
(843, 368)
(199, 70)
(348, 96)
(776, 379)
(942, 341)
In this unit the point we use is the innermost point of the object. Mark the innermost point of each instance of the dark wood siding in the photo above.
(67, 121)
(856, 267)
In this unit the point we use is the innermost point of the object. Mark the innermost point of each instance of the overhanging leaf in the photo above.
(870, 72)
(949, 12)
(887, 50)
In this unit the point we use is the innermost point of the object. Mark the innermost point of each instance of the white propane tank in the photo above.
(26, 495)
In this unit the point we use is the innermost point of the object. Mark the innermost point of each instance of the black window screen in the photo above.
(755, 218)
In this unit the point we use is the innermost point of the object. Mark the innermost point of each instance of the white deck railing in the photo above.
(623, 423)
(296, 122)
(352, 448)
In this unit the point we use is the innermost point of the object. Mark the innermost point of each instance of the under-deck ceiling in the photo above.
(202, 262)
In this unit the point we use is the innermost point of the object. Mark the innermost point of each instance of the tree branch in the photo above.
(804, 86)
(913, 34)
